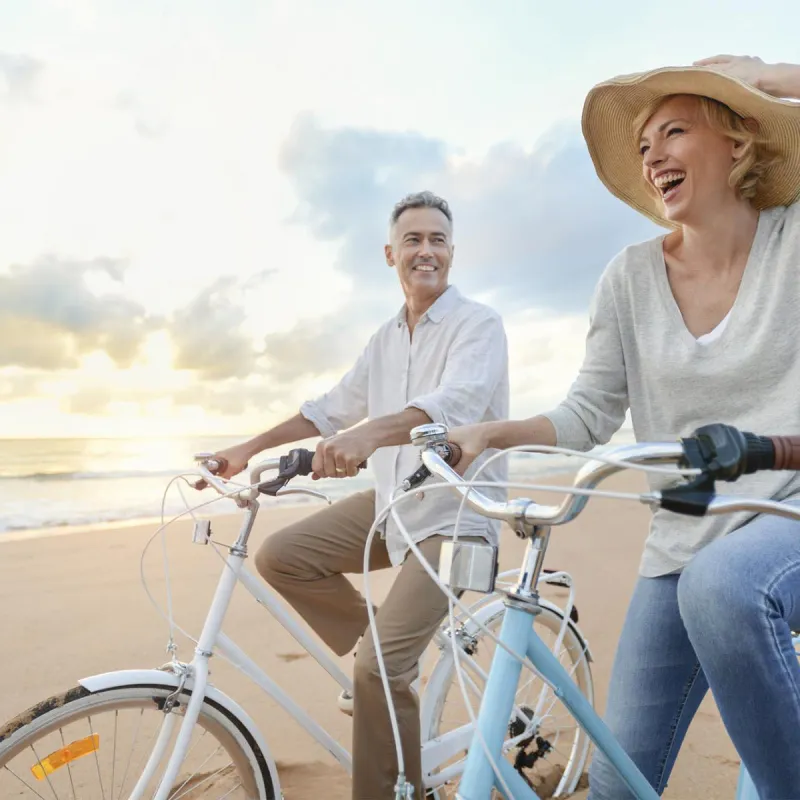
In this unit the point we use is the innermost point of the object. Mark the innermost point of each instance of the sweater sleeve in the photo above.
(597, 402)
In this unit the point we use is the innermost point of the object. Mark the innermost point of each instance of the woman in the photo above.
(699, 325)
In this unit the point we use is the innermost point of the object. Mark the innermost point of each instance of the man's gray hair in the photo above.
(424, 199)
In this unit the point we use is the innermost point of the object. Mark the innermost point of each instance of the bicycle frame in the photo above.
(519, 635)
(479, 777)
(212, 637)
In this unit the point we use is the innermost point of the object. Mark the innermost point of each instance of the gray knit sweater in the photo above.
(640, 355)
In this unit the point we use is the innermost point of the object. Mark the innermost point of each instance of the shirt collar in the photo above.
(443, 305)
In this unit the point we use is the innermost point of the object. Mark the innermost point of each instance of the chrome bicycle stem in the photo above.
(525, 594)
(239, 547)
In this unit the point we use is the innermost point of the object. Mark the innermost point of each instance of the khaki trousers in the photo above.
(305, 563)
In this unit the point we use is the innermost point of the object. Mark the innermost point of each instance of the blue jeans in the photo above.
(725, 622)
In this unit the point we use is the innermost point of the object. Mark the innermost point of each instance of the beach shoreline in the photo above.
(556, 475)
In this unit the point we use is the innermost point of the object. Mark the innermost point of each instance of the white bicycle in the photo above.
(169, 733)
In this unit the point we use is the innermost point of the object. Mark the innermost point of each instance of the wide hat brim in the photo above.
(611, 108)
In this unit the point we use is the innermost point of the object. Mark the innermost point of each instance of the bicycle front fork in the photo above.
(203, 652)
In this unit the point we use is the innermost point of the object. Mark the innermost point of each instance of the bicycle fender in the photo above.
(157, 677)
(485, 611)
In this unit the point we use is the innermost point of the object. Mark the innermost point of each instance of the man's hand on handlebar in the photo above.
(234, 460)
(342, 455)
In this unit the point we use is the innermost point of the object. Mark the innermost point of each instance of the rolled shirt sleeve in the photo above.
(345, 404)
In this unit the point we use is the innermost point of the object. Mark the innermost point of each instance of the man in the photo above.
(442, 358)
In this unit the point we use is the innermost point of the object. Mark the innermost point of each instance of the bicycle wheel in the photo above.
(83, 745)
(546, 744)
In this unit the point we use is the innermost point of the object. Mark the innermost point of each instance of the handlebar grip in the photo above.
(454, 455)
(725, 452)
(787, 452)
(214, 466)
(305, 457)
(298, 461)
(221, 465)
(758, 453)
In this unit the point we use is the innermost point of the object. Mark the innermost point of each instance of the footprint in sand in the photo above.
(289, 657)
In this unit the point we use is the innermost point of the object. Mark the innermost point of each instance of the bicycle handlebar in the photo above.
(297, 462)
(716, 451)
(727, 452)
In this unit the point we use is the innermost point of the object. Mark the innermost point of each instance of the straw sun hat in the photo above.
(608, 127)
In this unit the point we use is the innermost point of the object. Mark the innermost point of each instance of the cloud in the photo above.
(49, 315)
(147, 121)
(229, 398)
(347, 182)
(90, 400)
(19, 75)
(207, 333)
(16, 385)
(232, 397)
(310, 349)
(533, 228)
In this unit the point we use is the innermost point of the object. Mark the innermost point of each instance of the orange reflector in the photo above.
(58, 758)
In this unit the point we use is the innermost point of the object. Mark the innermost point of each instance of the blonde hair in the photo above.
(749, 169)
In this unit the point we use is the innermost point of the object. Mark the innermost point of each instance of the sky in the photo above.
(194, 195)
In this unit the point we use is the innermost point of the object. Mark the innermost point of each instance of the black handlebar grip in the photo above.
(305, 457)
(759, 453)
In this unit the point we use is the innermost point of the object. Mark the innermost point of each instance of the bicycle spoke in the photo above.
(114, 753)
(205, 780)
(219, 747)
(570, 673)
(147, 751)
(191, 750)
(47, 777)
(231, 791)
(69, 766)
(24, 783)
(130, 756)
(96, 759)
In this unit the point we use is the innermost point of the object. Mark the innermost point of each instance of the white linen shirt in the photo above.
(455, 369)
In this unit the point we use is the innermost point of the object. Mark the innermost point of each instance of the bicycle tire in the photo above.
(45, 717)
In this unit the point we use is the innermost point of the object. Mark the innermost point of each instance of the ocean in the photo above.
(49, 483)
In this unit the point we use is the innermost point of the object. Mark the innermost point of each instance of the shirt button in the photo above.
(420, 495)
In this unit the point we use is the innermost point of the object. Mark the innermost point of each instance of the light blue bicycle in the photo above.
(714, 452)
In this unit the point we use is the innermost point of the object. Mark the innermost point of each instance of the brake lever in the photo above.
(298, 490)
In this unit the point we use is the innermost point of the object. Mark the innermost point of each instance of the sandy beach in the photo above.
(73, 605)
